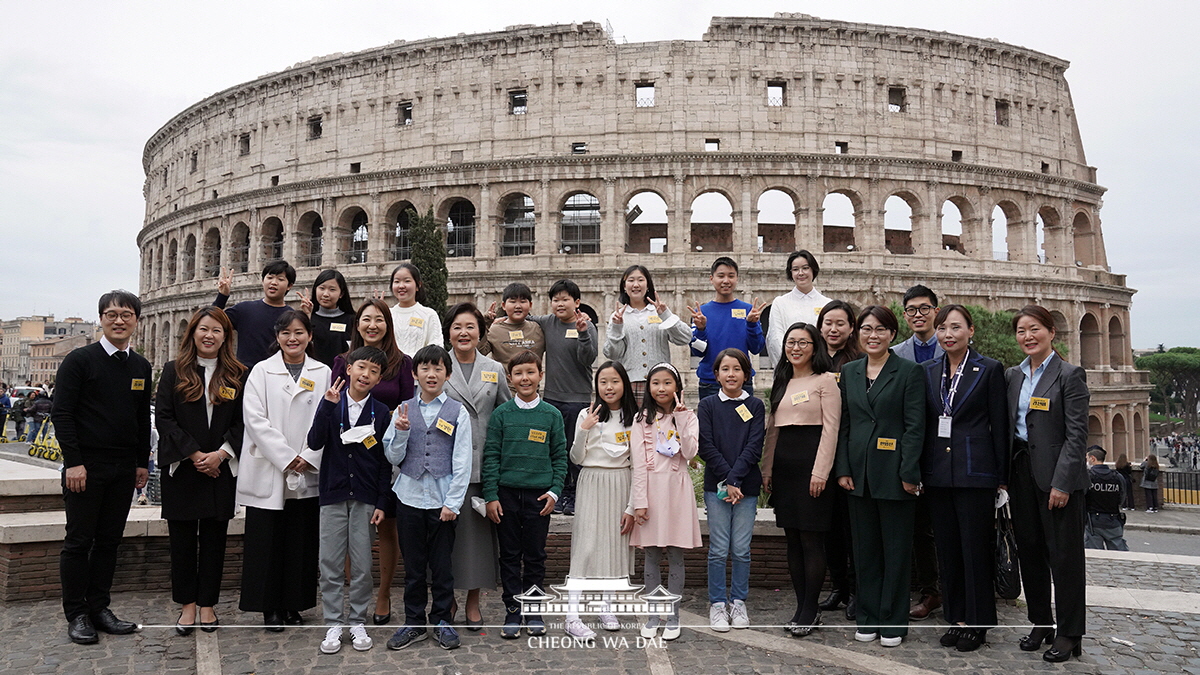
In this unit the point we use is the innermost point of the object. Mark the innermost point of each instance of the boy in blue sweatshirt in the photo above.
(724, 323)
(354, 479)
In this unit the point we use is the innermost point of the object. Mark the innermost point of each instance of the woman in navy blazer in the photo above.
(964, 462)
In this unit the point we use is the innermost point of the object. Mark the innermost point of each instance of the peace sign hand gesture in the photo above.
(377, 294)
(592, 418)
(755, 311)
(490, 315)
(618, 316)
(402, 418)
(679, 406)
(698, 319)
(306, 304)
(334, 393)
(225, 281)
(581, 321)
(659, 307)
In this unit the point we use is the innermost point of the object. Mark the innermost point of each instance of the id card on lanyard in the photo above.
(949, 390)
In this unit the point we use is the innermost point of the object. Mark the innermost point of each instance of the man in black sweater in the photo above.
(254, 320)
(102, 420)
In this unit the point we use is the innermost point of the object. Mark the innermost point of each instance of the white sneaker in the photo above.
(671, 629)
(891, 641)
(578, 629)
(718, 617)
(609, 622)
(332, 643)
(738, 615)
(650, 628)
(865, 637)
(359, 638)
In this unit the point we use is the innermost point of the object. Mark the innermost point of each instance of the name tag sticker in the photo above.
(370, 441)
(572, 333)
(944, 426)
(654, 318)
(537, 436)
(837, 377)
(489, 376)
(1037, 403)
(337, 327)
(622, 436)
(738, 313)
(416, 321)
(516, 335)
(671, 434)
(817, 310)
(306, 384)
(743, 412)
(800, 397)
(885, 444)
(228, 393)
(138, 384)
(445, 426)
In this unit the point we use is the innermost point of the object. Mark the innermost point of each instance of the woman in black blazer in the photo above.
(199, 419)
(965, 461)
(1048, 408)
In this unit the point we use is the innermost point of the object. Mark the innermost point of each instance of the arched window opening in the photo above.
(1096, 431)
(837, 223)
(239, 249)
(952, 228)
(272, 240)
(1040, 237)
(158, 267)
(189, 258)
(1085, 241)
(1118, 353)
(1120, 436)
(519, 226)
(460, 230)
(212, 254)
(311, 240)
(1000, 244)
(898, 225)
(581, 224)
(1089, 342)
(172, 261)
(359, 235)
(712, 223)
(400, 216)
(646, 217)
(776, 222)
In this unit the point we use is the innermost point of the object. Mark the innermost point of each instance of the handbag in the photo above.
(1008, 571)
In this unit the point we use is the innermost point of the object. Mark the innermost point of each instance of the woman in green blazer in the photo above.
(878, 462)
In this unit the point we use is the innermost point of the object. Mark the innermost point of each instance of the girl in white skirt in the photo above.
(603, 519)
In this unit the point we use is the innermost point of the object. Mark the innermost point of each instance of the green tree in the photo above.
(428, 240)
(1175, 374)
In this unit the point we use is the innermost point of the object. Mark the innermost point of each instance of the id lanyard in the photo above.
(948, 397)
(346, 416)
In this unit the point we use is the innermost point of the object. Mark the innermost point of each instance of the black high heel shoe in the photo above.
(1064, 648)
(806, 630)
(183, 629)
(1035, 639)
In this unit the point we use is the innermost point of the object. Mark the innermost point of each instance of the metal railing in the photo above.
(1179, 487)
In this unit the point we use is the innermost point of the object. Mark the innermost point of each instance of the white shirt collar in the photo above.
(354, 408)
(440, 398)
(814, 294)
(527, 406)
(110, 348)
(1025, 365)
(744, 395)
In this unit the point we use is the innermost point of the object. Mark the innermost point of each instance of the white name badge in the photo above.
(944, 426)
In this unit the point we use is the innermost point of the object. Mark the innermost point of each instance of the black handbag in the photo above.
(1008, 571)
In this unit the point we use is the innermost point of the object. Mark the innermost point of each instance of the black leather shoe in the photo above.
(273, 621)
(1064, 648)
(474, 624)
(950, 637)
(1035, 639)
(81, 631)
(108, 622)
(971, 639)
(852, 608)
(183, 629)
(210, 627)
(835, 599)
(293, 618)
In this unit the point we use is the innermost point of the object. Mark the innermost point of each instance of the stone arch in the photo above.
(900, 230)
(1095, 430)
(1089, 341)
(579, 227)
(648, 226)
(399, 222)
(839, 227)
(189, 258)
(1140, 440)
(1006, 230)
(460, 215)
(211, 259)
(310, 239)
(955, 214)
(711, 228)
(167, 346)
(239, 248)
(180, 332)
(270, 238)
(1120, 435)
(1118, 355)
(353, 235)
(172, 261)
(149, 256)
(518, 224)
(1048, 230)
(1063, 330)
(1085, 240)
(776, 221)
(152, 346)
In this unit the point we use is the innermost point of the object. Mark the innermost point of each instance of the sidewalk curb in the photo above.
(1163, 529)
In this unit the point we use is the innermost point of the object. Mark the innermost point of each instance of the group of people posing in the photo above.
(456, 437)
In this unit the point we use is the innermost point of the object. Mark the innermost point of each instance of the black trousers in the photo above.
(839, 548)
(964, 523)
(197, 560)
(280, 559)
(883, 534)
(95, 523)
(925, 556)
(425, 542)
(522, 534)
(1049, 546)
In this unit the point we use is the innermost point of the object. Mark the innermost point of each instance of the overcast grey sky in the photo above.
(83, 84)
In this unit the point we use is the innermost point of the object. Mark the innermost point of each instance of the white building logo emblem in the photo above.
(586, 596)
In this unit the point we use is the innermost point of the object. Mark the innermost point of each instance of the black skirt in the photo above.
(280, 559)
(795, 454)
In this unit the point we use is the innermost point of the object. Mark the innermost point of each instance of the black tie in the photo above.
(121, 355)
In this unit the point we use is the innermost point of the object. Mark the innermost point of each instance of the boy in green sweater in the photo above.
(524, 466)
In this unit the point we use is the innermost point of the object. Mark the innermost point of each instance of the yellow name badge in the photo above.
(306, 384)
(743, 412)
(837, 377)
(885, 444)
(654, 318)
(337, 327)
(800, 397)
(537, 436)
(445, 426)
(572, 333)
(670, 434)
(489, 376)
(622, 436)
(228, 393)
(1035, 403)
(516, 335)
(138, 384)
(416, 321)
(738, 313)
(817, 310)
(370, 441)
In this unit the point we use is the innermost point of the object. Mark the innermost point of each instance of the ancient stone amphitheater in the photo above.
(554, 151)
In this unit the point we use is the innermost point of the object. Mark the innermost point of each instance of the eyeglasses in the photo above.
(798, 344)
(114, 315)
(922, 310)
(804, 268)
(874, 330)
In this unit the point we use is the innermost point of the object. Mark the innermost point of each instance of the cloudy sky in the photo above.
(83, 84)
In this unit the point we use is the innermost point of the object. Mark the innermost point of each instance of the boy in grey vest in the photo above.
(430, 441)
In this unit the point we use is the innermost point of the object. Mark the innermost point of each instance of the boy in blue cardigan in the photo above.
(431, 443)
(354, 479)
(722, 323)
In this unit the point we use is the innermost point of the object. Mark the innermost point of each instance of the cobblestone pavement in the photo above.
(1144, 575)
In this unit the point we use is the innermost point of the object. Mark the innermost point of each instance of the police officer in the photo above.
(1105, 526)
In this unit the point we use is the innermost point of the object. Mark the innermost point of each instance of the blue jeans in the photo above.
(730, 528)
(35, 428)
(711, 388)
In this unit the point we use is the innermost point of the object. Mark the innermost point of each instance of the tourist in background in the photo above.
(1150, 474)
(642, 329)
(1125, 469)
(1105, 526)
(801, 304)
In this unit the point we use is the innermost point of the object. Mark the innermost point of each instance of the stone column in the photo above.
(810, 232)
(332, 237)
(613, 231)
(679, 235)
(927, 226)
(745, 225)
(868, 223)
(487, 241)
(376, 233)
(547, 236)
(291, 247)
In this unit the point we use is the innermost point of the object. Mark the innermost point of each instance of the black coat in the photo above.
(183, 428)
(976, 454)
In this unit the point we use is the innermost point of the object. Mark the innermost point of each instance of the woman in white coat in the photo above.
(277, 478)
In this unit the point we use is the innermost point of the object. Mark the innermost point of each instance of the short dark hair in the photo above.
(919, 291)
(736, 354)
(622, 296)
(723, 260)
(812, 263)
(120, 298)
(882, 314)
(463, 308)
(565, 286)
(517, 290)
(433, 354)
(944, 313)
(280, 267)
(372, 354)
(521, 359)
(285, 319)
(1098, 453)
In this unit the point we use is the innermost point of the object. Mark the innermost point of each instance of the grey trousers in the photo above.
(1104, 530)
(346, 526)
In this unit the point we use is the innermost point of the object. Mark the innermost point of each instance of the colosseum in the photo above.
(557, 150)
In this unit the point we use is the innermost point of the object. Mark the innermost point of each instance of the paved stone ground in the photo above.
(1144, 575)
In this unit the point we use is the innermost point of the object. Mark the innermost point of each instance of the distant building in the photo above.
(17, 335)
(46, 356)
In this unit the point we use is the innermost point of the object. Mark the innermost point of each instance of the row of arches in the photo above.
(1120, 429)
